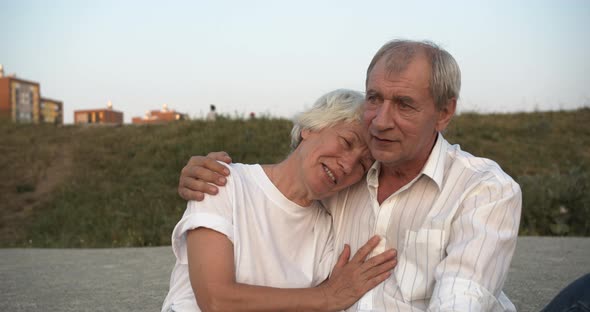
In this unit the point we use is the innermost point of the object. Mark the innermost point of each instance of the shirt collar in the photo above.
(373, 174)
(434, 167)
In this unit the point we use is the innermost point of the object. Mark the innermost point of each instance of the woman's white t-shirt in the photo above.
(276, 242)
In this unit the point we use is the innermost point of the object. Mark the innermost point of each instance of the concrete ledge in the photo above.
(136, 279)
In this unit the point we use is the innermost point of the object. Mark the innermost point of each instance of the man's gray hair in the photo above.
(340, 105)
(445, 75)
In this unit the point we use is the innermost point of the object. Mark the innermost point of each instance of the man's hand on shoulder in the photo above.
(201, 175)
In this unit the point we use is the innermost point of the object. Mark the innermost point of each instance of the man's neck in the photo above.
(392, 177)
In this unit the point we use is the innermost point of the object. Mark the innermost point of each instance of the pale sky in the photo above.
(276, 57)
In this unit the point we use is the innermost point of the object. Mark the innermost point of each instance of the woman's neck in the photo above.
(285, 176)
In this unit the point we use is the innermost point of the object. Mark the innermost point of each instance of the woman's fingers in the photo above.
(372, 282)
(343, 258)
(350, 280)
(381, 258)
(379, 269)
(366, 249)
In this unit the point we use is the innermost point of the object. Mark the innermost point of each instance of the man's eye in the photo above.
(371, 99)
(405, 105)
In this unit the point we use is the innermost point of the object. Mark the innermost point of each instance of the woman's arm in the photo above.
(212, 276)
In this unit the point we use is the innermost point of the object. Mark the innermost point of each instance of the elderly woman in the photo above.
(264, 243)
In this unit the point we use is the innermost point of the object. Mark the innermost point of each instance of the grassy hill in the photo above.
(116, 186)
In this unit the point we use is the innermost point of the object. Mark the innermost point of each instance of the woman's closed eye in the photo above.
(346, 142)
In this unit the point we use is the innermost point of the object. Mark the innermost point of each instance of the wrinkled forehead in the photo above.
(398, 59)
(410, 80)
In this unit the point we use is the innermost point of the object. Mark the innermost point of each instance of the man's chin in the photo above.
(384, 156)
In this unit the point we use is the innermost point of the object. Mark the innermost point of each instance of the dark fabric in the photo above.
(575, 297)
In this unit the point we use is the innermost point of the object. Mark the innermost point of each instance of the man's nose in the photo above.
(384, 116)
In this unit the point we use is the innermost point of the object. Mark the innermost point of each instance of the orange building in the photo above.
(105, 116)
(159, 116)
(19, 99)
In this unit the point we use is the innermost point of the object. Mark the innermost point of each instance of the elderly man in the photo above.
(453, 217)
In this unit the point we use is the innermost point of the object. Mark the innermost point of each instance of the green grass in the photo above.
(548, 154)
(116, 186)
(121, 188)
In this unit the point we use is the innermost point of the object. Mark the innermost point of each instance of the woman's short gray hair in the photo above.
(340, 105)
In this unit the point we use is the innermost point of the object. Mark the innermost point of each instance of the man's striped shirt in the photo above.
(454, 226)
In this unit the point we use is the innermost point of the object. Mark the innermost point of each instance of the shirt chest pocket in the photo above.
(423, 251)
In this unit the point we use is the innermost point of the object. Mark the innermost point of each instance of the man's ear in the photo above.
(446, 114)
(305, 133)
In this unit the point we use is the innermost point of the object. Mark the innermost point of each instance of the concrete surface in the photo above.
(136, 279)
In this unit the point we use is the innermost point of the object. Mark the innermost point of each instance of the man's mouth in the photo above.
(382, 140)
(329, 173)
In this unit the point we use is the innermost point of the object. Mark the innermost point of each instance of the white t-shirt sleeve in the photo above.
(326, 260)
(214, 212)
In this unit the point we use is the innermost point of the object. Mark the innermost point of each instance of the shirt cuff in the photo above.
(457, 294)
